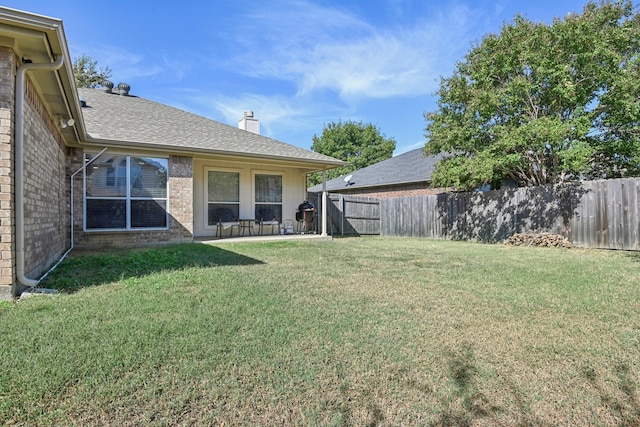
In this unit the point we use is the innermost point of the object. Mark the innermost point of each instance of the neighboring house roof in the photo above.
(134, 121)
(410, 167)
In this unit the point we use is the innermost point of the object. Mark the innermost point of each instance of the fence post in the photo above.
(341, 201)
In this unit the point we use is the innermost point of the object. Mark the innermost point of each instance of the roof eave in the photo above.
(313, 164)
(27, 26)
(354, 186)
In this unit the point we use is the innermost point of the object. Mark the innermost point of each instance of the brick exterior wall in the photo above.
(387, 192)
(46, 208)
(180, 205)
(181, 195)
(75, 160)
(7, 99)
(48, 164)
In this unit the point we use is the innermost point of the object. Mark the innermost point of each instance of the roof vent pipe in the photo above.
(124, 89)
(107, 86)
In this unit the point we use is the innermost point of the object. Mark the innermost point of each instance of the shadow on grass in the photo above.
(633, 255)
(467, 404)
(82, 270)
(622, 401)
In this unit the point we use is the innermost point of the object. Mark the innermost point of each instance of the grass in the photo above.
(359, 331)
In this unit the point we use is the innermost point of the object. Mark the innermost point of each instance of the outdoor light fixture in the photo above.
(64, 122)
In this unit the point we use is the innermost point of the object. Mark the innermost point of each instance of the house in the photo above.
(91, 167)
(407, 174)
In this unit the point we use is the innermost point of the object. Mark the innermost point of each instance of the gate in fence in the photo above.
(351, 215)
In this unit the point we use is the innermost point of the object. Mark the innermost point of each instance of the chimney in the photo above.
(249, 123)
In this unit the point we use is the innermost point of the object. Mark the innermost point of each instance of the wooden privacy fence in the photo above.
(353, 215)
(595, 214)
(608, 215)
(482, 216)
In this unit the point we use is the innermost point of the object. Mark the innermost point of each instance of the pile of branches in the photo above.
(538, 239)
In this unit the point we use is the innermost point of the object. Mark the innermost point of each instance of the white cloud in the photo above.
(176, 67)
(280, 116)
(380, 66)
(408, 147)
(126, 66)
(320, 48)
(268, 109)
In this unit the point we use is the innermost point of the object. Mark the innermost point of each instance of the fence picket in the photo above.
(594, 214)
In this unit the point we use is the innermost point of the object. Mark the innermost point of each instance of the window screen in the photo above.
(125, 192)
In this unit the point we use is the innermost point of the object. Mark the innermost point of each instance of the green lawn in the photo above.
(358, 331)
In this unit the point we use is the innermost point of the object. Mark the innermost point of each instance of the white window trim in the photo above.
(253, 189)
(127, 198)
(205, 216)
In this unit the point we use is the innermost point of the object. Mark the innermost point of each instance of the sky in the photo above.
(297, 64)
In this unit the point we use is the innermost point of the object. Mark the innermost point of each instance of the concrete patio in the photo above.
(265, 238)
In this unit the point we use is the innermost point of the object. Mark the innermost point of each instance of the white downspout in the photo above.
(73, 175)
(19, 162)
(72, 216)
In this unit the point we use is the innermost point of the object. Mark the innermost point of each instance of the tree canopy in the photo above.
(358, 143)
(543, 103)
(87, 73)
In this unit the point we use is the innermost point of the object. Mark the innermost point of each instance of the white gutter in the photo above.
(19, 162)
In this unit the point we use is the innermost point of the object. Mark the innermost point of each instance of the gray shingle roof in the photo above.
(138, 121)
(412, 166)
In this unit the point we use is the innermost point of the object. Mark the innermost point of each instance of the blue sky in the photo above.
(298, 64)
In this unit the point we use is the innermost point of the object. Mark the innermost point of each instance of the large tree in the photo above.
(87, 73)
(360, 144)
(543, 103)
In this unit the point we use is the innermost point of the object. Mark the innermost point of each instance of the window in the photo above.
(223, 196)
(268, 197)
(125, 193)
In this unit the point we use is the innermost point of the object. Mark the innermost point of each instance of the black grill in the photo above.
(306, 217)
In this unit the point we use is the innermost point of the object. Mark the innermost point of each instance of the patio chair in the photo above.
(225, 219)
(267, 217)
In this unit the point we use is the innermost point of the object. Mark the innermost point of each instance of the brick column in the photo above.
(7, 230)
(181, 195)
